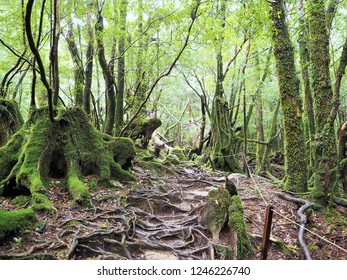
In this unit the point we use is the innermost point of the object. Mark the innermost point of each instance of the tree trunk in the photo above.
(308, 115)
(121, 68)
(295, 154)
(78, 65)
(54, 51)
(109, 81)
(67, 150)
(10, 120)
(89, 62)
(223, 140)
(325, 140)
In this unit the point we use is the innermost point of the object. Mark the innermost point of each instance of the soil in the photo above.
(156, 217)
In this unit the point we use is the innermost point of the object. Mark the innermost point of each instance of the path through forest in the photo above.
(156, 217)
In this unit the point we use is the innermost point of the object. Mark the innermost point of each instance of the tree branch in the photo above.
(165, 74)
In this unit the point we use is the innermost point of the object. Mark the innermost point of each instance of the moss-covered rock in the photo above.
(147, 160)
(178, 152)
(214, 215)
(13, 222)
(236, 223)
(67, 149)
(10, 120)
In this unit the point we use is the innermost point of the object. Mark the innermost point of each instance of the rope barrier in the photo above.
(258, 190)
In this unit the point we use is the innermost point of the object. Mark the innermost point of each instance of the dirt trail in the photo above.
(157, 218)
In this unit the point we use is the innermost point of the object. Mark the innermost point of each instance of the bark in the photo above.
(89, 62)
(270, 139)
(295, 154)
(78, 65)
(121, 68)
(308, 115)
(4, 82)
(343, 155)
(54, 51)
(38, 59)
(223, 140)
(10, 120)
(109, 80)
(325, 141)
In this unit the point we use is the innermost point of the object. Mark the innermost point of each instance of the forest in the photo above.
(173, 130)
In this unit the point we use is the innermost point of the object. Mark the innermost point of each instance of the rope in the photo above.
(295, 223)
(312, 232)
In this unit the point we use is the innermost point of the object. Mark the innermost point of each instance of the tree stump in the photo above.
(66, 149)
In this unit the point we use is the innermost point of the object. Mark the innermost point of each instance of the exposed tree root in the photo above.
(66, 150)
(303, 219)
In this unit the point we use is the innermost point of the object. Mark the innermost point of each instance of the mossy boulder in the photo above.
(13, 222)
(10, 120)
(178, 152)
(214, 215)
(237, 224)
(67, 150)
(147, 160)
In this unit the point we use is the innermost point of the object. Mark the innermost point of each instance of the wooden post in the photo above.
(267, 231)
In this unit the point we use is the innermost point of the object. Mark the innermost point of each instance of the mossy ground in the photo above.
(15, 221)
(66, 150)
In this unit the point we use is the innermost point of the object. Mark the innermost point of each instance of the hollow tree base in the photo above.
(67, 149)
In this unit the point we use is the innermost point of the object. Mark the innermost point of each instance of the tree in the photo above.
(325, 141)
(223, 140)
(108, 76)
(295, 154)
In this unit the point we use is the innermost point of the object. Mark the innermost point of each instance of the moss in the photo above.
(40, 202)
(143, 128)
(295, 153)
(220, 199)
(178, 152)
(10, 120)
(15, 221)
(67, 149)
(214, 214)
(78, 190)
(226, 252)
(236, 222)
(173, 159)
(21, 200)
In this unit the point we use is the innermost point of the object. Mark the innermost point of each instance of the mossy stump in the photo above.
(10, 120)
(143, 130)
(214, 215)
(237, 227)
(67, 150)
(13, 222)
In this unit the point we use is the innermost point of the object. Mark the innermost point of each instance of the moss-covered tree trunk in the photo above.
(223, 140)
(67, 149)
(325, 141)
(295, 154)
(308, 114)
(10, 120)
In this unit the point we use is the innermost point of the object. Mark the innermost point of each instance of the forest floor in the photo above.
(156, 217)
